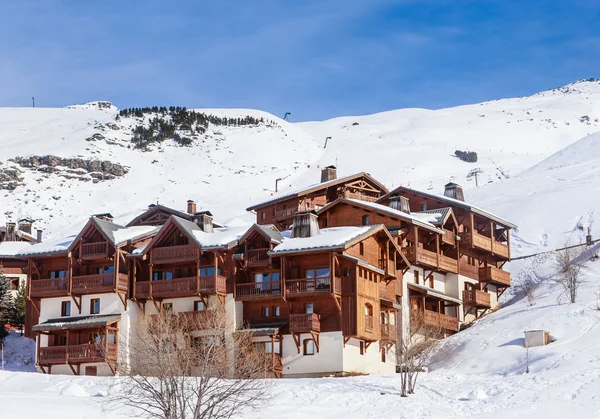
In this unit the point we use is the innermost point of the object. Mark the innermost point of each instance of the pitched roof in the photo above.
(269, 231)
(440, 214)
(420, 220)
(329, 238)
(451, 202)
(48, 248)
(316, 187)
(76, 322)
(119, 235)
(220, 238)
(9, 250)
(171, 211)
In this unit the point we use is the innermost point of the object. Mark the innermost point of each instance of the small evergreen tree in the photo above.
(18, 314)
(6, 305)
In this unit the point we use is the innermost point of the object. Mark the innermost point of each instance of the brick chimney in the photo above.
(455, 191)
(306, 224)
(191, 207)
(25, 225)
(328, 173)
(10, 232)
(400, 203)
(204, 220)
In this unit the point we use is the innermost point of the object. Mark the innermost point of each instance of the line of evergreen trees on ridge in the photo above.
(178, 124)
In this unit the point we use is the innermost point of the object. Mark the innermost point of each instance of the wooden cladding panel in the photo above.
(372, 252)
(345, 215)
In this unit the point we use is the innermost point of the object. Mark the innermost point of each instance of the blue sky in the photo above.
(315, 59)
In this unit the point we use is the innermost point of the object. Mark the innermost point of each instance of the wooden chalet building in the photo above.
(280, 210)
(79, 289)
(321, 301)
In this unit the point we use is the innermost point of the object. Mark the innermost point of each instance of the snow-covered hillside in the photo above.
(228, 168)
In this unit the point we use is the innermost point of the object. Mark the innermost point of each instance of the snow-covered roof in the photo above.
(50, 247)
(220, 238)
(453, 202)
(422, 220)
(315, 187)
(268, 230)
(76, 322)
(139, 251)
(433, 293)
(329, 238)
(9, 250)
(438, 216)
(120, 235)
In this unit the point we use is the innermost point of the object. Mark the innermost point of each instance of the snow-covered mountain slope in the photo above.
(228, 168)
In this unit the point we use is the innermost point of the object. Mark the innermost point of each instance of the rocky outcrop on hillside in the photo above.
(70, 168)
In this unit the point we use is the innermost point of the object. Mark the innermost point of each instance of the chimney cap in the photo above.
(26, 220)
(203, 213)
(190, 201)
(450, 184)
(331, 166)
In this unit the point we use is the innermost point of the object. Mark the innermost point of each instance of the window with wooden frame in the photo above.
(275, 311)
(368, 317)
(366, 220)
(263, 215)
(309, 347)
(309, 308)
(199, 306)
(424, 206)
(65, 308)
(416, 277)
(95, 306)
(361, 248)
(59, 274)
(265, 312)
(162, 275)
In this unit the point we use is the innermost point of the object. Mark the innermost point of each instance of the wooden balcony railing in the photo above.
(91, 284)
(257, 257)
(74, 354)
(305, 323)
(494, 276)
(55, 287)
(369, 323)
(448, 237)
(426, 257)
(313, 286)
(360, 196)
(181, 287)
(448, 264)
(388, 332)
(442, 320)
(212, 285)
(285, 213)
(142, 289)
(174, 254)
(476, 298)
(254, 290)
(98, 250)
(500, 249)
(472, 238)
(470, 271)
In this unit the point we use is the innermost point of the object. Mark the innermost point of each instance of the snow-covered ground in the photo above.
(541, 141)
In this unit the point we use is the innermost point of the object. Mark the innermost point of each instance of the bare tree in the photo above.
(568, 264)
(190, 366)
(414, 348)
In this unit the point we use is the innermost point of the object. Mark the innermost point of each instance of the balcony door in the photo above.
(320, 278)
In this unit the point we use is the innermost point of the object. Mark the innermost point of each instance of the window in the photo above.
(309, 308)
(275, 311)
(416, 277)
(365, 220)
(60, 340)
(58, 274)
(269, 347)
(263, 215)
(13, 284)
(431, 281)
(424, 206)
(362, 347)
(317, 273)
(309, 347)
(266, 311)
(199, 306)
(368, 317)
(65, 308)
(167, 308)
(361, 248)
(94, 306)
(99, 270)
(209, 271)
(162, 275)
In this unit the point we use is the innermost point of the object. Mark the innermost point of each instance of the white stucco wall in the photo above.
(370, 362)
(329, 358)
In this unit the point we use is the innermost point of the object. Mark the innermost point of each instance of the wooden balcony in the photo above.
(426, 257)
(388, 332)
(476, 298)
(448, 237)
(93, 284)
(76, 354)
(448, 264)
(174, 254)
(258, 257)
(301, 323)
(91, 251)
(360, 196)
(281, 214)
(312, 286)
(258, 290)
(181, 287)
(55, 287)
(470, 271)
(500, 249)
(476, 240)
(446, 322)
(494, 276)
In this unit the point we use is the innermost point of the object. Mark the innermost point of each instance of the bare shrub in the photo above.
(414, 349)
(568, 264)
(190, 366)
